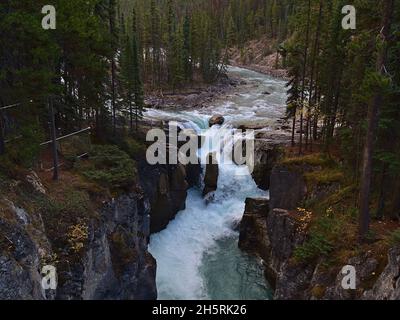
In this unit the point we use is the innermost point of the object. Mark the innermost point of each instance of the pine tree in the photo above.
(373, 118)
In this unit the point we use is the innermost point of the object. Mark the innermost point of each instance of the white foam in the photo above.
(179, 249)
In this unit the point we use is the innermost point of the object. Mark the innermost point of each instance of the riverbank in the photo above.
(193, 96)
(260, 56)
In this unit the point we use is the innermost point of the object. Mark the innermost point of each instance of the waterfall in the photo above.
(197, 254)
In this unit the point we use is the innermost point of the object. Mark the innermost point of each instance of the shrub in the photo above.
(323, 236)
(77, 236)
(324, 177)
(74, 204)
(316, 246)
(109, 166)
(75, 146)
(133, 148)
(24, 150)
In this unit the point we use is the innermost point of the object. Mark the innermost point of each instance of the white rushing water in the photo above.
(197, 254)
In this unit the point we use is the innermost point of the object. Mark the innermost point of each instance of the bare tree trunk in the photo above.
(293, 128)
(130, 117)
(113, 107)
(53, 131)
(113, 67)
(373, 119)
(304, 76)
(313, 59)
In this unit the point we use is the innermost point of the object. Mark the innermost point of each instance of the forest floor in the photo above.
(331, 210)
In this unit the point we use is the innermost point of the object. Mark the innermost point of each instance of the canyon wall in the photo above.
(272, 229)
(113, 264)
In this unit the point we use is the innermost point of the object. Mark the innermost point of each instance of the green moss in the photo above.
(122, 253)
(394, 237)
(315, 159)
(324, 177)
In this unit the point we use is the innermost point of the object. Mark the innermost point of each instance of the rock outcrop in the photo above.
(287, 189)
(112, 263)
(253, 227)
(387, 287)
(23, 247)
(270, 234)
(166, 188)
(272, 230)
(211, 175)
(265, 157)
(116, 263)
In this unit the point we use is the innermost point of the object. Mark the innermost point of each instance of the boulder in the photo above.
(211, 175)
(216, 120)
(34, 180)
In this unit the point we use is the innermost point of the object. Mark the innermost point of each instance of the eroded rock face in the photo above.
(287, 189)
(20, 263)
(270, 234)
(275, 236)
(285, 234)
(113, 264)
(253, 227)
(166, 187)
(211, 175)
(293, 281)
(216, 120)
(387, 287)
(265, 158)
(117, 264)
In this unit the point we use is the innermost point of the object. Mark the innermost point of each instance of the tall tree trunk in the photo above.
(113, 106)
(313, 59)
(381, 203)
(2, 134)
(130, 117)
(303, 86)
(294, 127)
(113, 64)
(373, 119)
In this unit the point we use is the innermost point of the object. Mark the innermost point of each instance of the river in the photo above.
(197, 254)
